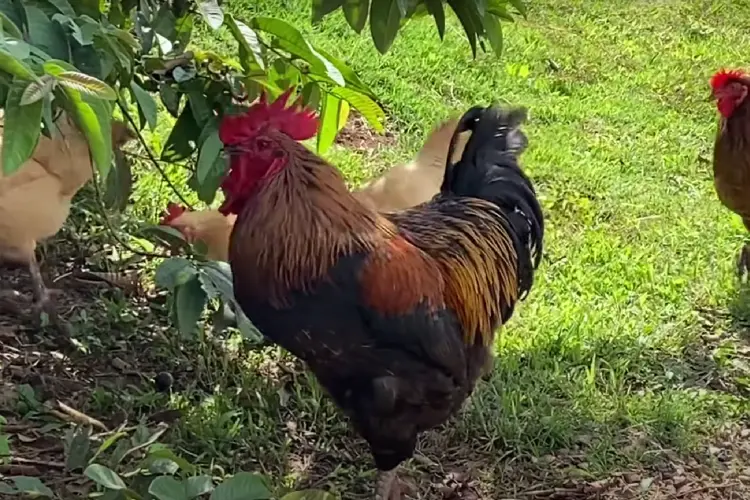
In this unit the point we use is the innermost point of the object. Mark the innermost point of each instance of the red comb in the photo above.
(724, 76)
(173, 211)
(296, 121)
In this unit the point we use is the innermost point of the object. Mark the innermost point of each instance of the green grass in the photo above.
(610, 343)
(625, 353)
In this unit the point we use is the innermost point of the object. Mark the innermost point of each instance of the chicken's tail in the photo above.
(489, 170)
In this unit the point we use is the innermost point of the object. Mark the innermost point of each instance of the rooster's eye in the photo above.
(263, 143)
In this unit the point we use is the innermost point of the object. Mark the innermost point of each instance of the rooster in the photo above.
(394, 313)
(732, 149)
(35, 199)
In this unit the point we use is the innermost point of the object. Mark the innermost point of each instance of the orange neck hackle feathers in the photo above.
(173, 212)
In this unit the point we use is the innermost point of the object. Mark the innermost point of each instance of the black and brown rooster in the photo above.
(394, 313)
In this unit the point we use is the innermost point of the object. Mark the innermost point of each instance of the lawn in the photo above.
(626, 370)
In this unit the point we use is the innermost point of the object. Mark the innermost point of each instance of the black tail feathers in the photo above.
(489, 169)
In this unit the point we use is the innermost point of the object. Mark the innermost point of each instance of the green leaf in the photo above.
(330, 122)
(94, 117)
(167, 454)
(107, 444)
(249, 43)
(470, 20)
(321, 8)
(519, 6)
(435, 8)
(291, 40)
(211, 12)
(198, 485)
(168, 488)
(355, 12)
(369, 109)
(210, 151)
(183, 138)
(31, 486)
(4, 446)
(217, 280)
(10, 27)
(79, 449)
(207, 189)
(47, 35)
(351, 78)
(190, 300)
(242, 486)
(385, 20)
(119, 184)
(14, 66)
(170, 98)
(308, 495)
(86, 84)
(22, 126)
(37, 90)
(494, 33)
(104, 476)
(64, 7)
(146, 104)
(174, 272)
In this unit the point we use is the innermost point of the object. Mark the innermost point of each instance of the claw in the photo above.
(387, 486)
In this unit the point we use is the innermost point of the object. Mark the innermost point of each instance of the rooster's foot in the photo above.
(388, 486)
(743, 263)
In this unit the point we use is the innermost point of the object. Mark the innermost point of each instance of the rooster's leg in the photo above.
(387, 486)
(42, 299)
(743, 264)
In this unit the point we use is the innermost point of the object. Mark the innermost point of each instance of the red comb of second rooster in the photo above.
(173, 212)
(296, 121)
(724, 76)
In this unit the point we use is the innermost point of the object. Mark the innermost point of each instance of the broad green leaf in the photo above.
(17, 48)
(174, 272)
(94, 117)
(242, 486)
(4, 446)
(291, 40)
(170, 98)
(79, 450)
(14, 66)
(146, 104)
(248, 40)
(31, 486)
(86, 84)
(119, 184)
(22, 127)
(321, 8)
(330, 115)
(183, 138)
(166, 453)
(355, 12)
(217, 280)
(351, 78)
(190, 300)
(470, 20)
(494, 32)
(435, 8)
(207, 189)
(107, 444)
(369, 109)
(385, 20)
(64, 7)
(9, 27)
(168, 488)
(104, 476)
(163, 466)
(46, 34)
(198, 485)
(519, 6)
(308, 495)
(210, 151)
(37, 90)
(211, 12)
